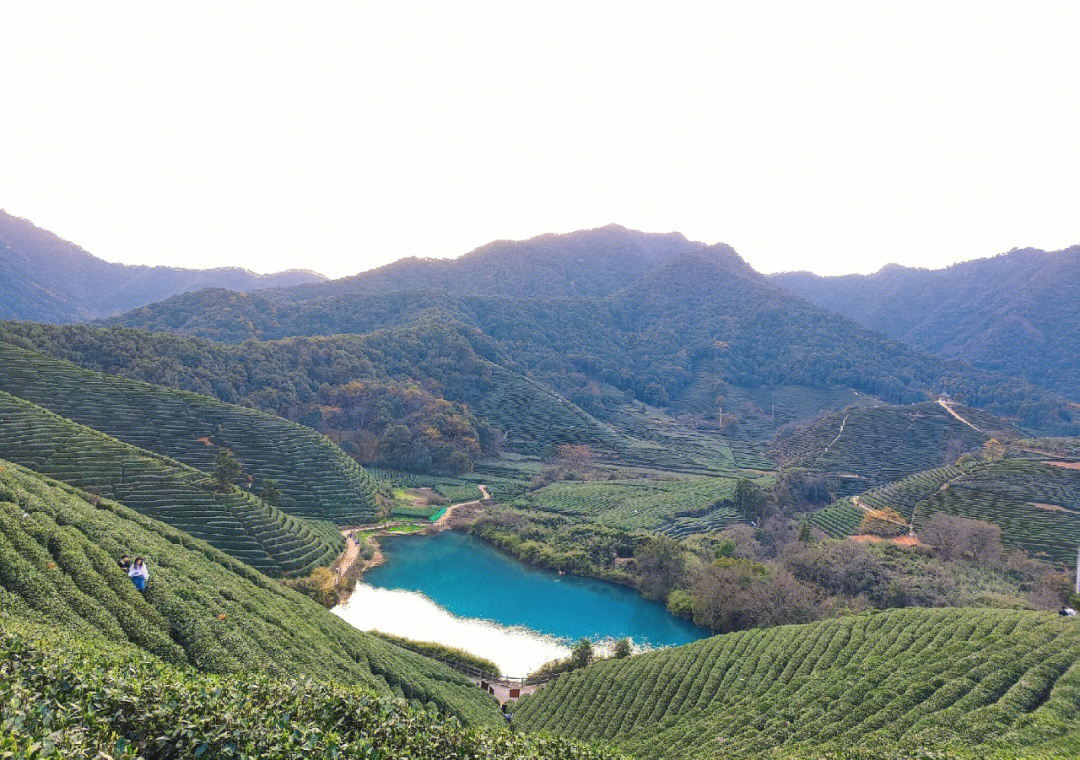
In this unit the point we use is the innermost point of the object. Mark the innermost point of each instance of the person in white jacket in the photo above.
(139, 574)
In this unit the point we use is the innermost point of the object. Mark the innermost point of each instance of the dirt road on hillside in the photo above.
(444, 522)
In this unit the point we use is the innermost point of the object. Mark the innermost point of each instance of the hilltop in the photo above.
(1017, 312)
(692, 329)
(46, 278)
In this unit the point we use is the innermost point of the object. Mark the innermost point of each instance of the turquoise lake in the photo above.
(471, 579)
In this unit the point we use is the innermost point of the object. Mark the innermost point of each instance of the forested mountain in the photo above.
(1018, 312)
(593, 262)
(46, 278)
(687, 336)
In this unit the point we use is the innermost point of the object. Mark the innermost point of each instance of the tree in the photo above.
(623, 649)
(954, 537)
(270, 492)
(582, 654)
(782, 599)
(659, 564)
(750, 501)
(226, 469)
(944, 533)
(805, 536)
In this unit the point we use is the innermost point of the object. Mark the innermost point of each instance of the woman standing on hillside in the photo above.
(139, 574)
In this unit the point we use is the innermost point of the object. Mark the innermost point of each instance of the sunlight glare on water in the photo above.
(516, 650)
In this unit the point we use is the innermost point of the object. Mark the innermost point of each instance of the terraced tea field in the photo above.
(316, 478)
(672, 506)
(838, 520)
(904, 494)
(201, 608)
(235, 522)
(1037, 505)
(902, 683)
(880, 444)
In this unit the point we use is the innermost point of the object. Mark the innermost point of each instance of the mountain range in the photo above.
(1018, 312)
(48, 279)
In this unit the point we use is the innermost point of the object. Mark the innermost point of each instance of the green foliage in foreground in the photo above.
(238, 523)
(201, 607)
(65, 697)
(905, 683)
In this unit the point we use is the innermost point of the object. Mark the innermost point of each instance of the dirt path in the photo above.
(346, 561)
(444, 522)
(945, 405)
(843, 422)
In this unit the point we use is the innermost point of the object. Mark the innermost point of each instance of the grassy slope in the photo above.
(986, 683)
(315, 477)
(238, 523)
(202, 608)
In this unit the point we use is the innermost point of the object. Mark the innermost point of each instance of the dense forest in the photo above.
(1015, 313)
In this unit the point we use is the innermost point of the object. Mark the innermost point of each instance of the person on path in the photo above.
(139, 574)
(124, 563)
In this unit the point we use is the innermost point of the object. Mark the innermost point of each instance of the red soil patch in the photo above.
(867, 538)
(204, 440)
(1065, 465)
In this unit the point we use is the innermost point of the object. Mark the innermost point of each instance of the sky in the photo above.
(835, 137)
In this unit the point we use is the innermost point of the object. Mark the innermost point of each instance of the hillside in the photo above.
(315, 478)
(863, 447)
(312, 380)
(58, 551)
(43, 277)
(699, 317)
(238, 523)
(1034, 499)
(70, 697)
(904, 683)
(1017, 312)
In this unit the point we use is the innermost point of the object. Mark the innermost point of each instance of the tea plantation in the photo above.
(677, 506)
(896, 684)
(201, 607)
(1036, 504)
(316, 478)
(236, 522)
(880, 444)
(65, 696)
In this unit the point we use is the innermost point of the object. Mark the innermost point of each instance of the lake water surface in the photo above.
(457, 590)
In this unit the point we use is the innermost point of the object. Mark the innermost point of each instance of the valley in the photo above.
(712, 518)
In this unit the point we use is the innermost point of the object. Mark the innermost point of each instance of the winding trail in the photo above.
(945, 405)
(444, 521)
(843, 422)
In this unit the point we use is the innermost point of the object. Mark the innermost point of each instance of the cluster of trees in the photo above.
(781, 572)
(404, 426)
(384, 396)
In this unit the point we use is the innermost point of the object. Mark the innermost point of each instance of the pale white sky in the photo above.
(835, 137)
